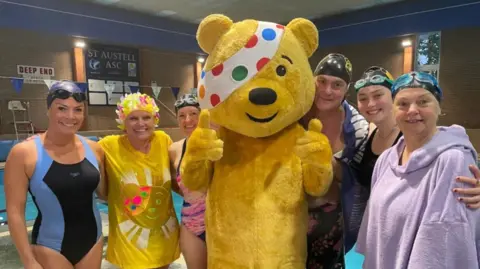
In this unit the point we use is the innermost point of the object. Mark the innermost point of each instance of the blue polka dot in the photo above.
(203, 74)
(133, 207)
(269, 34)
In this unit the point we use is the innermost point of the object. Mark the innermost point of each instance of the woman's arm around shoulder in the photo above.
(102, 189)
(449, 231)
(18, 168)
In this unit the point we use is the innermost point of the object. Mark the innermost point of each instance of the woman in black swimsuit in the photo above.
(62, 171)
(375, 103)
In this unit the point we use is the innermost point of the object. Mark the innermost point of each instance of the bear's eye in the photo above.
(281, 70)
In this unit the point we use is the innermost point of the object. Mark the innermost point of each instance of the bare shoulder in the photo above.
(95, 146)
(22, 149)
(23, 154)
(175, 147)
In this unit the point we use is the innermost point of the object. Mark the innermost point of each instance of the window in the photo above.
(428, 53)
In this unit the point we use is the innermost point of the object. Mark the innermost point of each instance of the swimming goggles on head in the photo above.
(186, 100)
(64, 90)
(64, 94)
(418, 80)
(374, 76)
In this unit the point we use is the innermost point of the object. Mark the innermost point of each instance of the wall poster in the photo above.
(110, 72)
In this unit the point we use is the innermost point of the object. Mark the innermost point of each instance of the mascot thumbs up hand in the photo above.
(203, 148)
(315, 152)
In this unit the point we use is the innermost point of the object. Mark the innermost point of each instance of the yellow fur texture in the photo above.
(257, 173)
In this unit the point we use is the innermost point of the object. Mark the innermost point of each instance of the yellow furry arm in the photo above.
(196, 175)
(317, 178)
(203, 148)
(315, 152)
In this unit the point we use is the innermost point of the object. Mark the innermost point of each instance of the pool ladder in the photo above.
(21, 118)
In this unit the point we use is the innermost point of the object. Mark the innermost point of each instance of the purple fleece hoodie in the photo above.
(413, 219)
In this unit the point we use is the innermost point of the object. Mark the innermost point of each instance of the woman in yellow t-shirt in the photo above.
(143, 227)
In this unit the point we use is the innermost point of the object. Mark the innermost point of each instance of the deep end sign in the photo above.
(35, 74)
(35, 70)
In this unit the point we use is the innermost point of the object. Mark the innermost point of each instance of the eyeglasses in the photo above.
(421, 79)
(373, 80)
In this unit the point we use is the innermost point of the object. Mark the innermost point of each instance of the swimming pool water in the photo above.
(31, 211)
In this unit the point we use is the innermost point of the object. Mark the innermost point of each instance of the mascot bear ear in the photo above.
(306, 33)
(211, 29)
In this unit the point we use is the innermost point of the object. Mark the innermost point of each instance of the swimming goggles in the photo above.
(374, 75)
(187, 100)
(373, 80)
(418, 80)
(65, 94)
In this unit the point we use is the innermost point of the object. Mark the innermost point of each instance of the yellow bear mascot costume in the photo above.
(256, 84)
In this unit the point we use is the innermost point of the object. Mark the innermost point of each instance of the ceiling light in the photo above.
(406, 43)
(107, 2)
(166, 13)
(201, 59)
(80, 44)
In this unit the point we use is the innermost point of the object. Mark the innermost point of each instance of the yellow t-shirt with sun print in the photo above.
(143, 227)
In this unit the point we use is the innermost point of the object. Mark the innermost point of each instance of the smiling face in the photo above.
(139, 125)
(187, 118)
(66, 115)
(279, 94)
(375, 103)
(329, 92)
(416, 111)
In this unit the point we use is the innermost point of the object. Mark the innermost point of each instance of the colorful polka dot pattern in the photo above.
(217, 84)
(133, 203)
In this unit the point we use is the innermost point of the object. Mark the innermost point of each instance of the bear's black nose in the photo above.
(262, 96)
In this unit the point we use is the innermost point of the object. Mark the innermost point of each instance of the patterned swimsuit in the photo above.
(193, 210)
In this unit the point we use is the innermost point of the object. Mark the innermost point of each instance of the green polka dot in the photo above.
(144, 194)
(239, 73)
(152, 210)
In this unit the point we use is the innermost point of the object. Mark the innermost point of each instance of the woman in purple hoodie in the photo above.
(413, 219)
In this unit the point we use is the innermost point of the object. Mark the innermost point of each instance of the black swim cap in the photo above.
(336, 65)
(188, 99)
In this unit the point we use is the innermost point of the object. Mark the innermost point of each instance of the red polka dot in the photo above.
(252, 42)
(217, 70)
(214, 99)
(261, 63)
(280, 26)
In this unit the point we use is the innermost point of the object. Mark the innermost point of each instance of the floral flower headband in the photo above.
(136, 101)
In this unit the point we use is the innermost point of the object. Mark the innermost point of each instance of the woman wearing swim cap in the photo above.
(346, 130)
(192, 231)
(143, 227)
(62, 171)
(413, 219)
(375, 103)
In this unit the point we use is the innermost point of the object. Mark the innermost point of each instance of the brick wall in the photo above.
(38, 49)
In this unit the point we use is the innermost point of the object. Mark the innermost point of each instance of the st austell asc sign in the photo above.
(106, 62)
